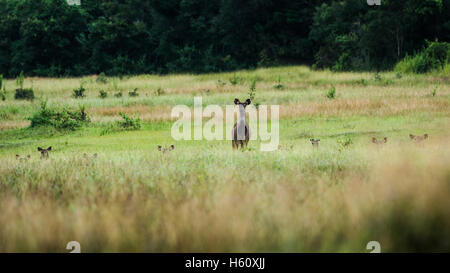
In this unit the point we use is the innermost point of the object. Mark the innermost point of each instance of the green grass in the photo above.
(203, 196)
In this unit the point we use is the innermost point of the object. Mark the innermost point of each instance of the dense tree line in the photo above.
(52, 38)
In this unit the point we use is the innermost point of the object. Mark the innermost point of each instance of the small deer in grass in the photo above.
(164, 150)
(241, 131)
(44, 152)
(87, 156)
(418, 139)
(379, 142)
(22, 159)
(315, 143)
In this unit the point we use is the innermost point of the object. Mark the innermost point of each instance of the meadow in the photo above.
(205, 197)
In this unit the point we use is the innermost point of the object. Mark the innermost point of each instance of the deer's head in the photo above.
(164, 150)
(44, 152)
(315, 142)
(244, 104)
(21, 159)
(379, 142)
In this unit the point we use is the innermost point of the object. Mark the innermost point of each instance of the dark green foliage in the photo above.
(51, 38)
(79, 92)
(118, 94)
(252, 90)
(102, 94)
(24, 94)
(434, 57)
(129, 123)
(59, 118)
(133, 93)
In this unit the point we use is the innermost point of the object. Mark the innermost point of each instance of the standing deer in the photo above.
(44, 152)
(241, 131)
(418, 139)
(379, 142)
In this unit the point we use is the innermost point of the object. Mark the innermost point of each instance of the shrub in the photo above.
(24, 94)
(129, 123)
(279, 85)
(133, 93)
(331, 94)
(434, 91)
(126, 124)
(118, 94)
(235, 79)
(102, 78)
(20, 80)
(344, 143)
(435, 57)
(252, 91)
(59, 118)
(102, 94)
(79, 92)
(160, 91)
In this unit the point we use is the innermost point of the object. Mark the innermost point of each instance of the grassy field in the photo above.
(203, 196)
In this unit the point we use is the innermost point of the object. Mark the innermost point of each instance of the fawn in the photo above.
(22, 159)
(379, 142)
(44, 152)
(164, 150)
(315, 142)
(241, 132)
(418, 139)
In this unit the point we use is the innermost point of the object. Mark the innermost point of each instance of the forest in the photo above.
(53, 39)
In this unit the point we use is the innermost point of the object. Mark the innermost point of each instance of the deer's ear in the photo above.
(374, 140)
(236, 101)
(39, 149)
(159, 148)
(411, 136)
(248, 101)
(318, 139)
(385, 139)
(171, 147)
(49, 148)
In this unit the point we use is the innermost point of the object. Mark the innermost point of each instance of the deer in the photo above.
(418, 139)
(168, 149)
(87, 156)
(379, 142)
(241, 131)
(315, 142)
(22, 159)
(44, 152)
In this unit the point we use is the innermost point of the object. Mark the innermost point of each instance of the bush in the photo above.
(331, 94)
(102, 78)
(79, 92)
(133, 93)
(435, 57)
(24, 94)
(118, 94)
(129, 123)
(126, 124)
(160, 91)
(102, 94)
(59, 118)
